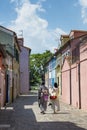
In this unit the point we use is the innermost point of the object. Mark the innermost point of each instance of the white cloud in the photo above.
(83, 4)
(35, 29)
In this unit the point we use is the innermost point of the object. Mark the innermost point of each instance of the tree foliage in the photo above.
(37, 62)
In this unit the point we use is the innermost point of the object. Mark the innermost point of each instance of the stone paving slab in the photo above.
(24, 114)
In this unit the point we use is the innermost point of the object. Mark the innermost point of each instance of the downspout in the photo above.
(70, 88)
(70, 81)
(79, 85)
(12, 81)
(61, 73)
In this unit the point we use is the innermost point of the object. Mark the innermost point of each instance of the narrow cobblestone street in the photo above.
(24, 114)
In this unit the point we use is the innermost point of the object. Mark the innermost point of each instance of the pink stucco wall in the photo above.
(24, 70)
(83, 67)
(75, 85)
(78, 87)
(74, 43)
(78, 75)
(83, 73)
(66, 82)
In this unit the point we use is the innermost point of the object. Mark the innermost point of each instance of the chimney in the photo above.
(21, 41)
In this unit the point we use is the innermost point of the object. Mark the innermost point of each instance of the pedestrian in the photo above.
(43, 97)
(54, 97)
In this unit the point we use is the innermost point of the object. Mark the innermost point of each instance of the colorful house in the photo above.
(50, 72)
(62, 52)
(16, 67)
(73, 71)
(58, 70)
(83, 73)
(24, 67)
(8, 39)
(71, 68)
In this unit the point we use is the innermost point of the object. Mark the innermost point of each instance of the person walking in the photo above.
(43, 97)
(54, 97)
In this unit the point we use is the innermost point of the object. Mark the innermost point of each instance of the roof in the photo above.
(26, 47)
(7, 30)
(78, 31)
(65, 36)
(10, 32)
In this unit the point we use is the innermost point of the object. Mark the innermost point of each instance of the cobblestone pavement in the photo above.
(24, 114)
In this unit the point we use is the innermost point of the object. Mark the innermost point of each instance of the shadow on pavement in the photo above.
(21, 116)
(28, 121)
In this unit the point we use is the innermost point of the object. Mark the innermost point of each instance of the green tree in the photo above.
(37, 62)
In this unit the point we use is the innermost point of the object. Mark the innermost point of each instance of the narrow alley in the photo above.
(24, 114)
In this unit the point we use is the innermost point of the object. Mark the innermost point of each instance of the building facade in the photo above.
(24, 67)
(2, 76)
(73, 71)
(8, 40)
(71, 68)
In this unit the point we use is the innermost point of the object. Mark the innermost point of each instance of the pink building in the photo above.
(74, 71)
(83, 72)
(24, 67)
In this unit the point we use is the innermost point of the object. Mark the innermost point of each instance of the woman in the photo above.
(43, 97)
(55, 99)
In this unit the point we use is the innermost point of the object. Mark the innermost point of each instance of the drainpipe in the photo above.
(12, 81)
(61, 81)
(79, 85)
(70, 88)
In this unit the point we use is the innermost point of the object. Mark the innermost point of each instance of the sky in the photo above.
(42, 22)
